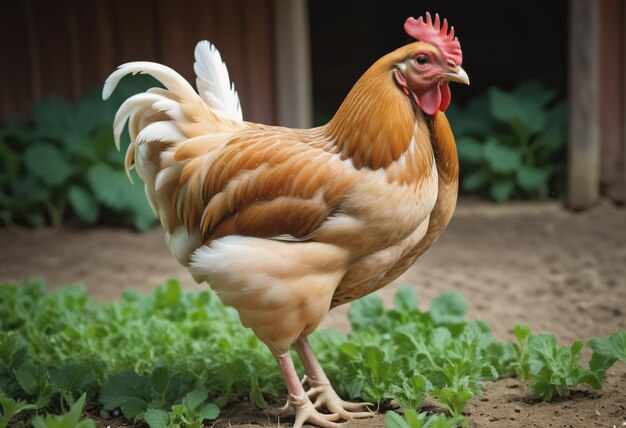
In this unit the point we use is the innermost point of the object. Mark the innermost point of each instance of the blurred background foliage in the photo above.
(512, 144)
(63, 164)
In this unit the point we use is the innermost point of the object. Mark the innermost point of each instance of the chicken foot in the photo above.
(299, 400)
(320, 388)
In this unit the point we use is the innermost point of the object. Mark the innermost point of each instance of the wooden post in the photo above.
(613, 100)
(621, 197)
(583, 181)
(622, 194)
(293, 63)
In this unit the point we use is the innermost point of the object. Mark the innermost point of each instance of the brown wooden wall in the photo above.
(67, 47)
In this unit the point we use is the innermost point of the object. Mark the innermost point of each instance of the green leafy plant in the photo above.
(190, 413)
(65, 162)
(11, 408)
(126, 356)
(71, 419)
(413, 419)
(512, 144)
(554, 368)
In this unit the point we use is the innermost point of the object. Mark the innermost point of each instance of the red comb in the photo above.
(437, 35)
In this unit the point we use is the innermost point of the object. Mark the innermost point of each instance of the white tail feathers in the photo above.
(213, 82)
(214, 87)
(173, 81)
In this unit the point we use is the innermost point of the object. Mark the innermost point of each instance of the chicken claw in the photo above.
(306, 412)
(286, 409)
(326, 397)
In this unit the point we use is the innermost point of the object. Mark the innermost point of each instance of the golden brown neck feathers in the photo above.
(374, 125)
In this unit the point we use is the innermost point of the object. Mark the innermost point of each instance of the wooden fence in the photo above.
(67, 47)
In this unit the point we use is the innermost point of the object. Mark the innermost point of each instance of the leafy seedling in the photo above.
(71, 419)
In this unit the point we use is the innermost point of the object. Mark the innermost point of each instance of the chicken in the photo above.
(286, 224)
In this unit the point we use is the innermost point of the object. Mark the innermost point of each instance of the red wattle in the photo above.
(445, 96)
(429, 101)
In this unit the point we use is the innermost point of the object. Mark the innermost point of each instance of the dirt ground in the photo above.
(536, 264)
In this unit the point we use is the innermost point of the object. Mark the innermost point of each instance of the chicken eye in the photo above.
(421, 60)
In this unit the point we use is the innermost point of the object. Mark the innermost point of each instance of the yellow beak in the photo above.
(459, 76)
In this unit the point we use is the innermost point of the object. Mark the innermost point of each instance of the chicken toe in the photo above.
(306, 412)
(322, 391)
(326, 398)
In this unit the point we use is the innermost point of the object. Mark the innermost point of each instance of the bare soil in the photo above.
(537, 264)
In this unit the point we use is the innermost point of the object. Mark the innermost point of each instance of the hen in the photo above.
(285, 224)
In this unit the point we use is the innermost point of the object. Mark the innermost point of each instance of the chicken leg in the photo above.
(299, 400)
(321, 390)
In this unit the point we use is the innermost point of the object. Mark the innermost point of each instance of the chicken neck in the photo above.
(374, 125)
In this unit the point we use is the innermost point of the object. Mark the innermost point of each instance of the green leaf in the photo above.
(83, 204)
(133, 407)
(13, 352)
(412, 393)
(521, 367)
(473, 120)
(405, 299)
(448, 308)
(79, 146)
(550, 142)
(168, 295)
(10, 162)
(542, 351)
(30, 190)
(209, 411)
(440, 338)
(394, 420)
(121, 388)
(502, 190)
(613, 348)
(54, 118)
(161, 380)
(534, 91)
(157, 418)
(441, 420)
(470, 150)
(256, 394)
(92, 113)
(68, 420)
(112, 188)
(365, 312)
(522, 332)
(103, 144)
(11, 408)
(46, 162)
(532, 179)
(197, 396)
(475, 180)
(72, 376)
(526, 116)
(501, 159)
(454, 398)
(415, 420)
(35, 380)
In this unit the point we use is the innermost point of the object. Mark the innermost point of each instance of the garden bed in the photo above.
(535, 264)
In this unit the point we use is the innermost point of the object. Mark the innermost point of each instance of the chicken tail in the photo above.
(180, 103)
(214, 85)
(161, 119)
